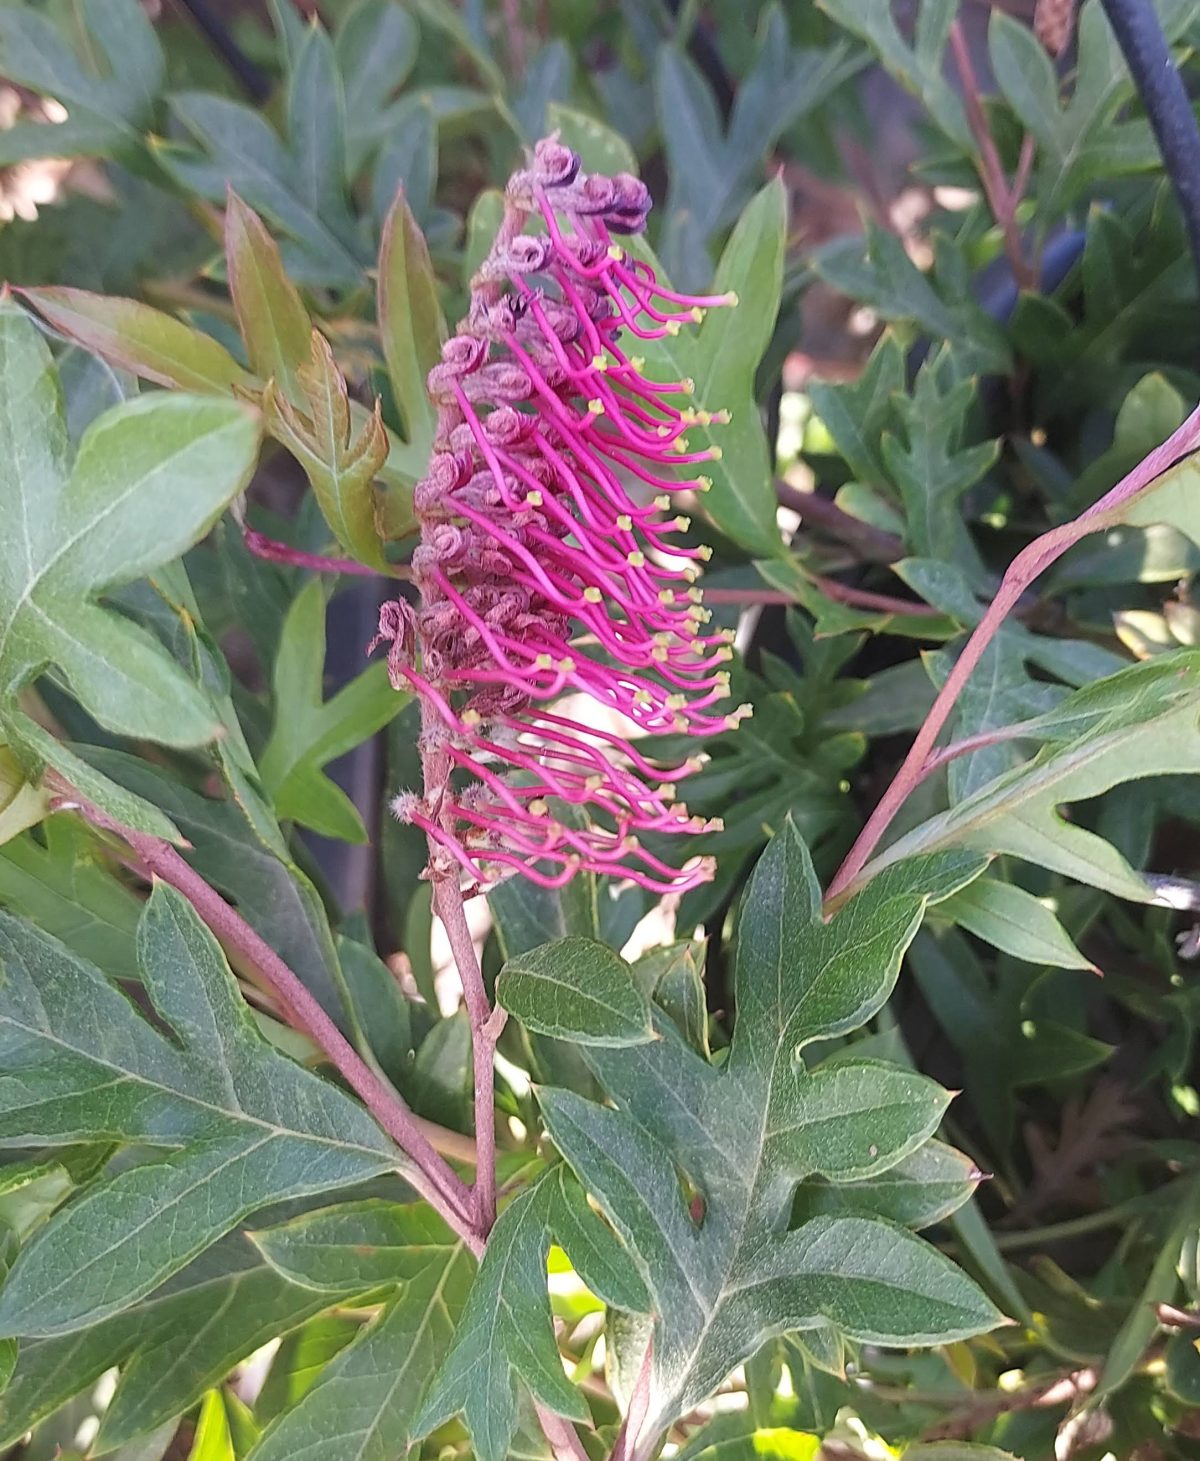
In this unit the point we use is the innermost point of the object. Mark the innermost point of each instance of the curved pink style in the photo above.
(548, 563)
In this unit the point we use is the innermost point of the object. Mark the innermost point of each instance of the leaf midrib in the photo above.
(241, 1116)
(37, 575)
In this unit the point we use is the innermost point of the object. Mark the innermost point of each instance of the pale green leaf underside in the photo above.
(151, 477)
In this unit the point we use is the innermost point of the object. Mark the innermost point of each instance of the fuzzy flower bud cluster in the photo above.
(549, 564)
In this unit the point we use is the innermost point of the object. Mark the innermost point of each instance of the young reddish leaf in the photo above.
(340, 455)
(138, 338)
(410, 320)
(273, 321)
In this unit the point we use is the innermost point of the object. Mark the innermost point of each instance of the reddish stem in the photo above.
(276, 552)
(860, 597)
(486, 1027)
(1002, 199)
(432, 1177)
(1022, 571)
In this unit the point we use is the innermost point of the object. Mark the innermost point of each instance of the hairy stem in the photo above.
(486, 1026)
(432, 1176)
(1025, 568)
(276, 552)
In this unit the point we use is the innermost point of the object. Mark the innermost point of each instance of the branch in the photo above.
(276, 552)
(432, 1177)
(487, 1025)
(1025, 568)
(207, 20)
(872, 544)
(1002, 199)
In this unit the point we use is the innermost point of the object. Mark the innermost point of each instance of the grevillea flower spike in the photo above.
(547, 564)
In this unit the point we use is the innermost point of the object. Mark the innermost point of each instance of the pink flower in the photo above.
(548, 563)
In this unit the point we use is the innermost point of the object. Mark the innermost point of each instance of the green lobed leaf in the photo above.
(745, 1135)
(1139, 722)
(505, 1335)
(576, 989)
(921, 1189)
(270, 313)
(376, 47)
(150, 478)
(365, 1245)
(238, 848)
(235, 147)
(310, 731)
(298, 1361)
(241, 1125)
(171, 1345)
(65, 883)
(1015, 921)
(361, 1407)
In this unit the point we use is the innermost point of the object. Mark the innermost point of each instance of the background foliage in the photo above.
(727, 1113)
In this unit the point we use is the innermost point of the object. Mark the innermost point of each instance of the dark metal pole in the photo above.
(1141, 38)
(255, 84)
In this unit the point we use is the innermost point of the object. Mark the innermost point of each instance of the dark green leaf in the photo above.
(239, 1121)
(576, 989)
(362, 1405)
(745, 1135)
(171, 1346)
(505, 1335)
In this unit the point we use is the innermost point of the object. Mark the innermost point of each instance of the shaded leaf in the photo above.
(361, 1406)
(310, 731)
